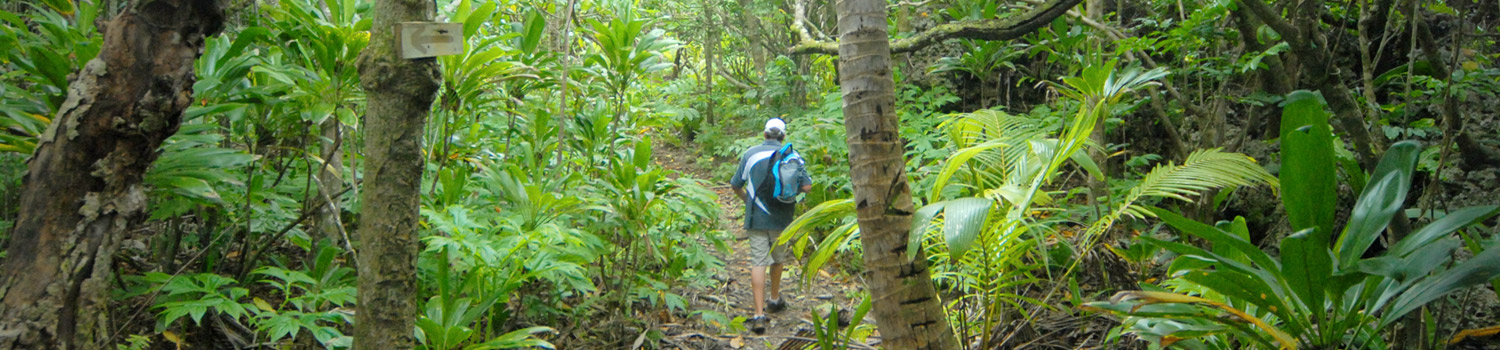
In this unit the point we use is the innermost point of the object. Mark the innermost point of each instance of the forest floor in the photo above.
(732, 294)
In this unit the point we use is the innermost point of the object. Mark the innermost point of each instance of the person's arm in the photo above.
(805, 180)
(738, 181)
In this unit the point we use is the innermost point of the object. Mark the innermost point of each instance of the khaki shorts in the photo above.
(761, 253)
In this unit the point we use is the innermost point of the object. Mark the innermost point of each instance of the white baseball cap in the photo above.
(776, 123)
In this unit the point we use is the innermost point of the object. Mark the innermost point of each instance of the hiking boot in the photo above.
(758, 324)
(775, 306)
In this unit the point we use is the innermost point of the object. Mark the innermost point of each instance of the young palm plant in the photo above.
(1006, 161)
(1320, 293)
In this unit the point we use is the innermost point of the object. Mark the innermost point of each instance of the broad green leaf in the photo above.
(536, 25)
(1307, 262)
(1379, 202)
(1307, 164)
(920, 221)
(963, 221)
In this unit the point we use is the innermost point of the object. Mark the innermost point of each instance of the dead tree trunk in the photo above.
(83, 186)
(399, 94)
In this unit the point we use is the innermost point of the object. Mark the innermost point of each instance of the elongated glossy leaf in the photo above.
(835, 240)
(1404, 273)
(963, 221)
(1147, 298)
(1479, 269)
(1084, 161)
(536, 25)
(1381, 199)
(1243, 288)
(823, 213)
(1307, 164)
(477, 18)
(1210, 258)
(1239, 228)
(1443, 227)
(1218, 237)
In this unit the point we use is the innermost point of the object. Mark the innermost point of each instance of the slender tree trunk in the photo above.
(400, 94)
(563, 114)
(752, 36)
(907, 309)
(1098, 190)
(710, 48)
(83, 185)
(330, 184)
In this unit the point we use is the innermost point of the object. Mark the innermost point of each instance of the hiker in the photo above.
(765, 218)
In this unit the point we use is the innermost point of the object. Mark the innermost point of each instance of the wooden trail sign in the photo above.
(429, 39)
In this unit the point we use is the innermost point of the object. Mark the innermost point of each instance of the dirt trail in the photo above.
(732, 293)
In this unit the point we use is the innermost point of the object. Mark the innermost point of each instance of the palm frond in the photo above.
(1203, 170)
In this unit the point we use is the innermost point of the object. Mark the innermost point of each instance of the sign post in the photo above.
(429, 39)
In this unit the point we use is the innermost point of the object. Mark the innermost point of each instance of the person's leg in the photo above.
(779, 256)
(775, 282)
(757, 285)
(760, 257)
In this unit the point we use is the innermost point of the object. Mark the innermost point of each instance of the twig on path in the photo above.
(851, 345)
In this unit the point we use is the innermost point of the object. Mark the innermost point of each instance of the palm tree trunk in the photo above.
(907, 309)
(83, 186)
(400, 94)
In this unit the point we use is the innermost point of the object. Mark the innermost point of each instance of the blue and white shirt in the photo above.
(761, 211)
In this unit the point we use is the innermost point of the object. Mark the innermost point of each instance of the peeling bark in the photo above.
(83, 185)
(988, 29)
(907, 309)
(399, 94)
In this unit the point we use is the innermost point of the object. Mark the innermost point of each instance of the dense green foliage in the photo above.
(1093, 156)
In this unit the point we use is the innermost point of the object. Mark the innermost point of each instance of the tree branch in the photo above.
(987, 29)
(1271, 19)
(733, 81)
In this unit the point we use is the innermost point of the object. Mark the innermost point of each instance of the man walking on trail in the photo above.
(765, 218)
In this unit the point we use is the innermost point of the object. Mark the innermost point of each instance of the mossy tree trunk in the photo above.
(399, 96)
(83, 185)
(907, 309)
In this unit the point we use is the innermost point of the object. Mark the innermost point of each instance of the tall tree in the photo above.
(399, 95)
(907, 309)
(83, 185)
